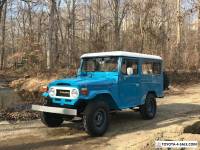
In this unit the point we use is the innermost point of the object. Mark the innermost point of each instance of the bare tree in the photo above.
(51, 30)
(2, 2)
(71, 33)
(118, 15)
(178, 40)
(73, 42)
(163, 28)
(3, 35)
(72, 27)
(198, 37)
(177, 55)
(30, 28)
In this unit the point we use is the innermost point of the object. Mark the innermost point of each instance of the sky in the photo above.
(186, 5)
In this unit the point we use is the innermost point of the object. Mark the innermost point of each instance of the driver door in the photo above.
(129, 84)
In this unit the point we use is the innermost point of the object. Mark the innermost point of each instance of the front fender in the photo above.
(45, 94)
(104, 95)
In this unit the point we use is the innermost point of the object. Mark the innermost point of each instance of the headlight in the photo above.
(52, 92)
(74, 93)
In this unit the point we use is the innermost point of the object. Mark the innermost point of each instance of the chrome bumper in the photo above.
(56, 110)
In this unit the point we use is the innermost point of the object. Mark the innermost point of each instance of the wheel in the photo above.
(149, 108)
(48, 102)
(166, 81)
(96, 118)
(51, 120)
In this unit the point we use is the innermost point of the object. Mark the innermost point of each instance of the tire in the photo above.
(166, 81)
(46, 101)
(149, 108)
(96, 118)
(51, 120)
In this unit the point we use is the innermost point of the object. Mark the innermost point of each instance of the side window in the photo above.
(151, 68)
(156, 68)
(147, 68)
(129, 63)
(88, 66)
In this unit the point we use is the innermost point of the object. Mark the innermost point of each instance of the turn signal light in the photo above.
(84, 91)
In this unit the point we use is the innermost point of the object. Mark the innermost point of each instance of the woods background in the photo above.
(39, 35)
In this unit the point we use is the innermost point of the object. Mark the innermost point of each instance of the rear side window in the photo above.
(129, 63)
(156, 68)
(151, 68)
(147, 68)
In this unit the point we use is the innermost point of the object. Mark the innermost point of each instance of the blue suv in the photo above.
(105, 82)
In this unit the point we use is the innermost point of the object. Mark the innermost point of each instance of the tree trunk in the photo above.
(73, 48)
(198, 46)
(90, 27)
(116, 26)
(50, 34)
(2, 2)
(142, 35)
(163, 29)
(12, 30)
(177, 57)
(30, 26)
(178, 40)
(3, 36)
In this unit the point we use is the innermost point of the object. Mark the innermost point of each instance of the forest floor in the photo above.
(178, 118)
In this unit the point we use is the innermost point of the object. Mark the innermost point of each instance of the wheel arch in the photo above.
(106, 97)
(152, 92)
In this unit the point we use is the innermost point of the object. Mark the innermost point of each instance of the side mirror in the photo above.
(129, 71)
(78, 72)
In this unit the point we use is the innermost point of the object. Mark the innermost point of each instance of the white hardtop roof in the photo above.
(121, 53)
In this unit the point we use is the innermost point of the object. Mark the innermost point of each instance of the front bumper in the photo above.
(56, 110)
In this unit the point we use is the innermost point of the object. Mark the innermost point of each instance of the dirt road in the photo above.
(178, 112)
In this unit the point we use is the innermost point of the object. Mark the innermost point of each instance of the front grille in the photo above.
(63, 93)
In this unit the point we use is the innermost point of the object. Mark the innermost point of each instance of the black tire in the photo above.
(149, 108)
(166, 81)
(48, 102)
(51, 120)
(96, 118)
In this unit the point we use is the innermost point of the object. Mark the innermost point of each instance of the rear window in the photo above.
(151, 68)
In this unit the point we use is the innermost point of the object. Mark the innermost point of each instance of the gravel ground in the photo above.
(177, 118)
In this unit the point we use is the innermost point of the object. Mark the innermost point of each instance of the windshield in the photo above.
(100, 64)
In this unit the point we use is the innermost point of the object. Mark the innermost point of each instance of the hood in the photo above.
(84, 81)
